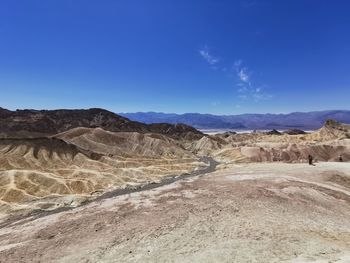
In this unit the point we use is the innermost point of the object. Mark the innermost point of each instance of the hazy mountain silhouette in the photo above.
(296, 120)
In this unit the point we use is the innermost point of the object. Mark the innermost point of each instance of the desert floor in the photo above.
(266, 212)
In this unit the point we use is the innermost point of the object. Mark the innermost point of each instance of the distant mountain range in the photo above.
(298, 120)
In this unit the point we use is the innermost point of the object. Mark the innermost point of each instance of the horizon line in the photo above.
(160, 112)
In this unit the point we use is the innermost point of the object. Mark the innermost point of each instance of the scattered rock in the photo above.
(294, 132)
(274, 132)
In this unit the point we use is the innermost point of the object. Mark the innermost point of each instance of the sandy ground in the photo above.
(270, 212)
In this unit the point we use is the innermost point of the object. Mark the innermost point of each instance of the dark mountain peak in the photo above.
(38, 123)
(34, 123)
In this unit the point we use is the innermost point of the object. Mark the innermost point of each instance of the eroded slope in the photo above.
(46, 173)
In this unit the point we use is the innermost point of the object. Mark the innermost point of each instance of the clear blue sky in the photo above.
(208, 56)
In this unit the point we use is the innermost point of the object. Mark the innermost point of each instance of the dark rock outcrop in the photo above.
(273, 132)
(39, 123)
(294, 132)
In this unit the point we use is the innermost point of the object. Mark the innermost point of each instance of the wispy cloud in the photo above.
(243, 75)
(246, 89)
(206, 55)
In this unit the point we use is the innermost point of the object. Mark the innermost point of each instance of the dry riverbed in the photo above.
(266, 212)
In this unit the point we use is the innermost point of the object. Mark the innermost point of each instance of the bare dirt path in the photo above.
(271, 212)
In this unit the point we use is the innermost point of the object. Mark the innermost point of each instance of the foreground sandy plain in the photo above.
(258, 212)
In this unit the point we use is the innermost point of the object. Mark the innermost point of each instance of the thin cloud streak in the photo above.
(246, 89)
(206, 55)
(243, 75)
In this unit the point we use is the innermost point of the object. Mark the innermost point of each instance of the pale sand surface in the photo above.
(266, 212)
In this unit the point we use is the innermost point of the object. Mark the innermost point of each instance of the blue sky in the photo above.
(208, 56)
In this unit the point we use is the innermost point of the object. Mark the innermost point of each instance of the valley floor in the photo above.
(266, 212)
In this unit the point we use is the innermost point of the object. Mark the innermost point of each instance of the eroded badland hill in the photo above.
(263, 202)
